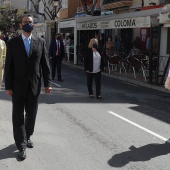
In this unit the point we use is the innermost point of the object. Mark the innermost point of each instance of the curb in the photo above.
(136, 82)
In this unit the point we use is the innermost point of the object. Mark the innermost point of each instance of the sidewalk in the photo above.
(125, 77)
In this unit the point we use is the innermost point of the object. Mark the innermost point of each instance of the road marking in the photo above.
(140, 127)
(55, 84)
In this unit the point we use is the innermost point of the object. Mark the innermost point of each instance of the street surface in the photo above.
(126, 130)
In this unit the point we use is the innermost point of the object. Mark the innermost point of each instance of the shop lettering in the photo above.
(125, 23)
(89, 25)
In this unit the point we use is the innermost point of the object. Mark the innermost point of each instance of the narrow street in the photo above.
(128, 129)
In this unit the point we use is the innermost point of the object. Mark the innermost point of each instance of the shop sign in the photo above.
(132, 22)
(105, 24)
(94, 25)
(164, 18)
(88, 26)
(116, 24)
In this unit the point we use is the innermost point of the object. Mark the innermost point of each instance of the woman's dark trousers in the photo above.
(97, 77)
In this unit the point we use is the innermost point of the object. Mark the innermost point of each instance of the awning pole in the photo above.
(150, 54)
(158, 55)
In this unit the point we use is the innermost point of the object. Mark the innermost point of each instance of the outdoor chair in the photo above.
(123, 62)
(113, 62)
(134, 64)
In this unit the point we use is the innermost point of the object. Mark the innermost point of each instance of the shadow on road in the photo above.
(8, 152)
(144, 153)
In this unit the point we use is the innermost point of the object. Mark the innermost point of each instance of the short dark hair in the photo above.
(25, 15)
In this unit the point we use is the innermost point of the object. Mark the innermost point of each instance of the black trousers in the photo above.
(56, 62)
(97, 77)
(23, 124)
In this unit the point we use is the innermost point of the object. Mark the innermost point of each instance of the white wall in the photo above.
(64, 4)
(163, 47)
(19, 4)
(146, 2)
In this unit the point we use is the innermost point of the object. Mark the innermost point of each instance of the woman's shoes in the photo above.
(99, 97)
(91, 96)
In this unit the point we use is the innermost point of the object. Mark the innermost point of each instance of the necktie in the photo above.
(58, 48)
(27, 46)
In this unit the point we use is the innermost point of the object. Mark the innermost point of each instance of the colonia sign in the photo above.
(137, 22)
(125, 23)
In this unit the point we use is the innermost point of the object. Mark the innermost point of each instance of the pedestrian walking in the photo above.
(93, 65)
(67, 45)
(2, 59)
(26, 62)
(56, 51)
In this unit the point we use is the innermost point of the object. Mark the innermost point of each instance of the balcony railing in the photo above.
(89, 7)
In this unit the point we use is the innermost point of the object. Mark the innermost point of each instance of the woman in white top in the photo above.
(67, 45)
(2, 59)
(93, 65)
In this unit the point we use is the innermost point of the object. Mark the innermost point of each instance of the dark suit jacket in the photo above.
(22, 70)
(53, 49)
(88, 60)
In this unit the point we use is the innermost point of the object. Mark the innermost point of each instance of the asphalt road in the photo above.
(128, 129)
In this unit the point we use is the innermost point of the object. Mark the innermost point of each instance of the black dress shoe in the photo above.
(30, 144)
(22, 154)
(60, 80)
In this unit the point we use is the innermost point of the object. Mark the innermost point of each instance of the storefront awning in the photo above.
(67, 23)
(137, 19)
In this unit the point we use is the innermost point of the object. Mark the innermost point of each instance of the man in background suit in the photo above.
(56, 51)
(26, 62)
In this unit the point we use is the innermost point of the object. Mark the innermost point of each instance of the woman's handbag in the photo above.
(167, 82)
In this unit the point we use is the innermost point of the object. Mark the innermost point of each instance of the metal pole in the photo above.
(158, 55)
(150, 55)
(55, 21)
(78, 47)
(75, 43)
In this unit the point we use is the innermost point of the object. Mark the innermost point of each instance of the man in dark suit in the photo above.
(26, 62)
(56, 51)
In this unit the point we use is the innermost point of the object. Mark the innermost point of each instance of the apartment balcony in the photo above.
(111, 4)
(89, 8)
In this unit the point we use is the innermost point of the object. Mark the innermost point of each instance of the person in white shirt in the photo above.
(67, 45)
(93, 65)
